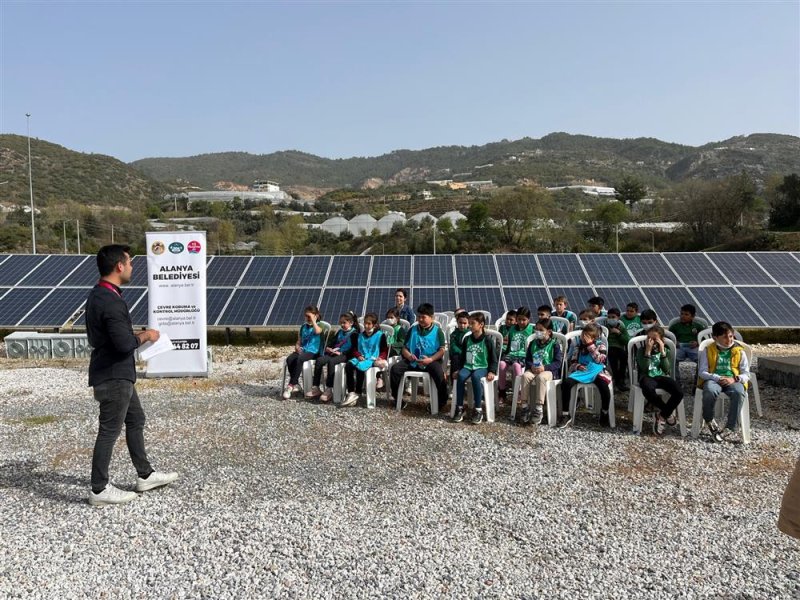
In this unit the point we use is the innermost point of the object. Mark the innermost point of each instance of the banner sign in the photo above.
(176, 285)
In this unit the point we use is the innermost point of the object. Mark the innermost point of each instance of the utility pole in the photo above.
(434, 238)
(112, 234)
(78, 226)
(30, 184)
(65, 236)
(617, 238)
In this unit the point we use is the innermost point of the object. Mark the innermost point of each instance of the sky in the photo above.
(340, 79)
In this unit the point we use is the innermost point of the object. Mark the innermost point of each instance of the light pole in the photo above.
(30, 183)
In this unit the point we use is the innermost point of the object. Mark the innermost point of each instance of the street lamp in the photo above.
(30, 183)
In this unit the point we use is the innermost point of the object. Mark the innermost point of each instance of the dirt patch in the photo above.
(774, 458)
(645, 460)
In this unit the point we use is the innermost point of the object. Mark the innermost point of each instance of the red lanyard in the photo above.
(108, 286)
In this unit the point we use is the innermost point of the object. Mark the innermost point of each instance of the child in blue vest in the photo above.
(560, 305)
(587, 364)
(478, 360)
(337, 351)
(308, 347)
(423, 351)
(370, 350)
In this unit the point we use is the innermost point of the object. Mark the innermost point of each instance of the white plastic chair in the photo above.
(442, 319)
(588, 390)
(489, 387)
(429, 389)
(552, 385)
(308, 366)
(501, 320)
(637, 397)
(706, 335)
(744, 407)
(404, 324)
(562, 323)
(487, 316)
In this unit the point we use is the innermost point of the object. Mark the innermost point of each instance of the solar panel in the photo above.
(619, 297)
(483, 298)
(307, 271)
(53, 270)
(433, 270)
(289, 305)
(391, 271)
(740, 269)
(379, 300)
(225, 270)
(266, 271)
(562, 269)
(18, 266)
(349, 270)
(442, 298)
(140, 313)
(56, 308)
(215, 302)
(86, 275)
(475, 269)
(519, 269)
(606, 269)
(139, 277)
(531, 297)
(4, 258)
(18, 302)
(773, 304)
(667, 302)
(650, 269)
(336, 301)
(248, 307)
(781, 265)
(130, 295)
(576, 297)
(724, 304)
(695, 269)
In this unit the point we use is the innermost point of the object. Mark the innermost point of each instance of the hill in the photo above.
(555, 159)
(61, 175)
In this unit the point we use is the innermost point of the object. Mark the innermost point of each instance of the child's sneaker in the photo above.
(458, 416)
(659, 424)
(714, 431)
(564, 421)
(287, 393)
(604, 419)
(477, 416)
(537, 415)
(314, 393)
(327, 395)
(730, 436)
(350, 400)
(672, 420)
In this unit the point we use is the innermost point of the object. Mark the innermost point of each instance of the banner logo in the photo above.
(157, 248)
(193, 247)
(176, 247)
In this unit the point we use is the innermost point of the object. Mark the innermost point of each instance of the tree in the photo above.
(608, 217)
(630, 190)
(226, 234)
(785, 203)
(477, 217)
(516, 210)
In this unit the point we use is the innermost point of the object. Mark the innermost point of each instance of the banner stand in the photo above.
(176, 286)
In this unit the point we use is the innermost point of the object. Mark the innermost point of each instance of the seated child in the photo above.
(456, 356)
(423, 351)
(654, 364)
(560, 305)
(648, 319)
(370, 350)
(617, 348)
(335, 352)
(514, 357)
(587, 364)
(307, 348)
(595, 304)
(543, 362)
(399, 336)
(511, 320)
(585, 317)
(686, 331)
(630, 320)
(723, 368)
(479, 360)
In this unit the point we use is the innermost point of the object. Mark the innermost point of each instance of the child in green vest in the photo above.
(618, 338)
(630, 320)
(479, 361)
(511, 320)
(543, 361)
(686, 331)
(654, 364)
(456, 356)
(398, 338)
(513, 358)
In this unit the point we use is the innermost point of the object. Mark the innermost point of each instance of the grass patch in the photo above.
(40, 420)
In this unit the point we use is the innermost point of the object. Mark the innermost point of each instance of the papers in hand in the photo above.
(150, 349)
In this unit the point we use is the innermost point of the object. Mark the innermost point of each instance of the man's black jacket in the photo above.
(108, 325)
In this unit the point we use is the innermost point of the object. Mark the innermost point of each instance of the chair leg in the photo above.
(697, 414)
(488, 398)
(638, 409)
(400, 393)
(433, 394)
(552, 403)
(370, 383)
(744, 419)
(682, 417)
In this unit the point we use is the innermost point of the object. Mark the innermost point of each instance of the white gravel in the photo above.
(294, 499)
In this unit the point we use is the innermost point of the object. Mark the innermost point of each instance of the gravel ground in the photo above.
(296, 499)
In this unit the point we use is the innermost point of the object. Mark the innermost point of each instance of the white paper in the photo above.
(150, 349)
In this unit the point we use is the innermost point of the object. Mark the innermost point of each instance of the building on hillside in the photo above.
(271, 197)
(386, 222)
(420, 217)
(362, 225)
(591, 190)
(265, 185)
(453, 216)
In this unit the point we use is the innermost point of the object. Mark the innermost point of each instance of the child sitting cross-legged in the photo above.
(655, 371)
(543, 362)
(479, 360)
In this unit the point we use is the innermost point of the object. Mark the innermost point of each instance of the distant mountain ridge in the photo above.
(557, 158)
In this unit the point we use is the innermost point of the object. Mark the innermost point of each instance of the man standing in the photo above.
(112, 374)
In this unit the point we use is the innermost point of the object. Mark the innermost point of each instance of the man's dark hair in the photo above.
(426, 308)
(648, 314)
(720, 327)
(689, 308)
(109, 256)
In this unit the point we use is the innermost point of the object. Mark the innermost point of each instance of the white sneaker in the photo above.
(314, 393)
(351, 400)
(111, 495)
(326, 397)
(155, 480)
(287, 393)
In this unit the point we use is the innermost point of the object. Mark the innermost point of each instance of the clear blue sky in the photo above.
(135, 80)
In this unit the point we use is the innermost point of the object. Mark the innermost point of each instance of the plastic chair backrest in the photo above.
(498, 345)
(563, 324)
(501, 320)
(442, 319)
(633, 348)
(387, 330)
(706, 335)
(404, 324)
(450, 313)
(486, 315)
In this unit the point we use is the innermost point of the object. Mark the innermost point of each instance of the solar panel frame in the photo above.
(619, 297)
(650, 269)
(265, 271)
(336, 301)
(379, 300)
(289, 304)
(740, 269)
(248, 307)
(391, 271)
(529, 296)
(307, 271)
(55, 309)
(780, 265)
(140, 313)
(773, 304)
(52, 271)
(606, 269)
(19, 266)
(139, 276)
(131, 296)
(695, 268)
(482, 298)
(475, 270)
(519, 270)
(225, 271)
(349, 271)
(433, 270)
(667, 302)
(85, 275)
(725, 304)
(18, 302)
(442, 298)
(216, 299)
(562, 270)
